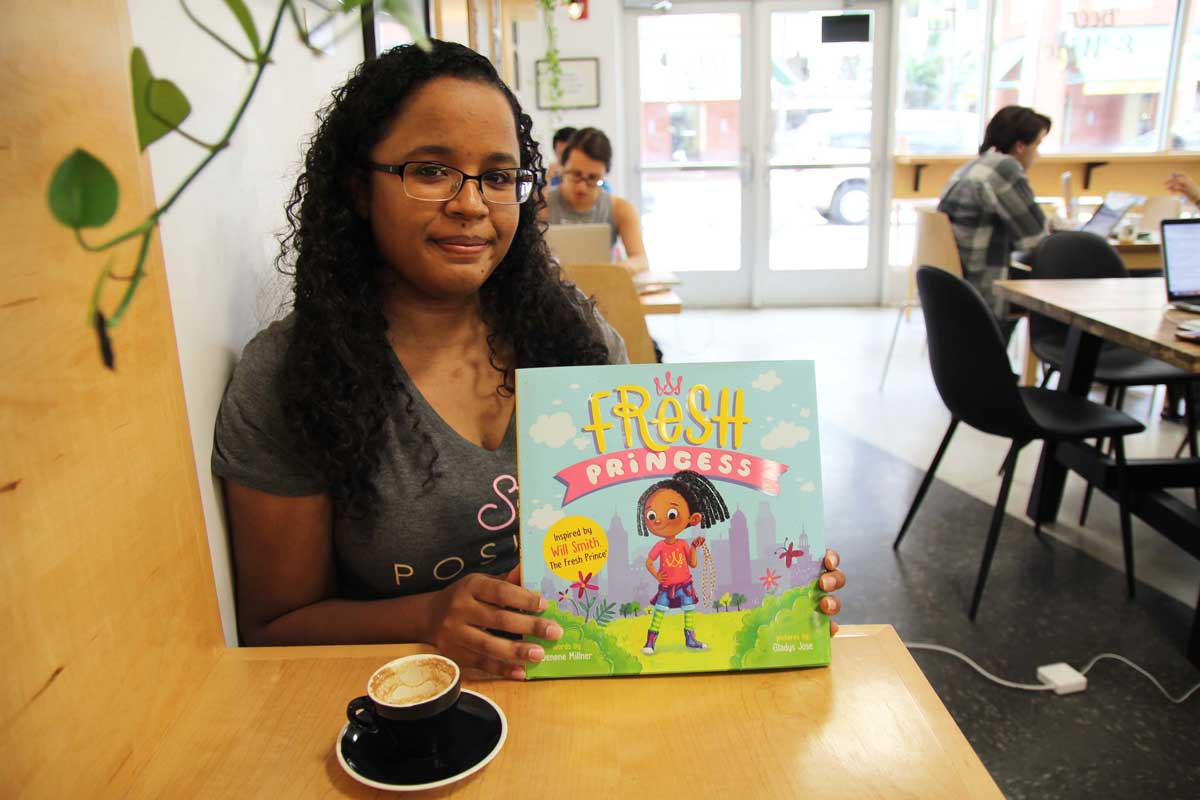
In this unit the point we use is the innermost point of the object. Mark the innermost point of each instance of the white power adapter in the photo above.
(1063, 677)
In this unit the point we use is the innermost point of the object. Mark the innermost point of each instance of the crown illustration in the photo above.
(668, 389)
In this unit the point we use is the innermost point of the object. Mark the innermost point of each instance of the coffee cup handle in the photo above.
(360, 713)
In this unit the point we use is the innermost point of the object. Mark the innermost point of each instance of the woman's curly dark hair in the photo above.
(341, 388)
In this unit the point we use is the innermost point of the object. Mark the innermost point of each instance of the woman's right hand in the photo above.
(466, 607)
(1178, 183)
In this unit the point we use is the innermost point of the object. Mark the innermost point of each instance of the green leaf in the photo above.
(402, 11)
(83, 192)
(246, 21)
(158, 105)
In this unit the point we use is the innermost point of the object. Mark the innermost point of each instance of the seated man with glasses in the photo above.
(581, 200)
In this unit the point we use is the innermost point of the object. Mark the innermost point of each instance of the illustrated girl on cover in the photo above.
(666, 509)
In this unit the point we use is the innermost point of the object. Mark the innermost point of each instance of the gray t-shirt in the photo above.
(423, 536)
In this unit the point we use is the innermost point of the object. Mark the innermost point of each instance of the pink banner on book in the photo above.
(611, 469)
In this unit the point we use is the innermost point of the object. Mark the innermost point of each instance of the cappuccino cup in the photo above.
(409, 689)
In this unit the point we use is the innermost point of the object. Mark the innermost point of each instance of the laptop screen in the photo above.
(1115, 206)
(1103, 221)
(1181, 258)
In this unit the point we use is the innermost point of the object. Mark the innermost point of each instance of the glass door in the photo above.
(761, 170)
(694, 169)
(821, 202)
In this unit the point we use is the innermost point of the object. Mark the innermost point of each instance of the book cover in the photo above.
(672, 516)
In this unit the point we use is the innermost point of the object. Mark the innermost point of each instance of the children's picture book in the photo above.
(672, 517)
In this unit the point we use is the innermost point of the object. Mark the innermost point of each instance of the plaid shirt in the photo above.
(993, 212)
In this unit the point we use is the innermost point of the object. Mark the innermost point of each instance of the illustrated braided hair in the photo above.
(696, 490)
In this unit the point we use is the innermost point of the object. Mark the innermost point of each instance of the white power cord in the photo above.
(1028, 687)
(1153, 680)
(1044, 687)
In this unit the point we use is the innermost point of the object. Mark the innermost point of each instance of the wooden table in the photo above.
(1140, 256)
(264, 721)
(1123, 310)
(1137, 256)
(665, 302)
(1134, 313)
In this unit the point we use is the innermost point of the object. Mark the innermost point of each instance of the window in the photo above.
(1185, 131)
(1097, 68)
(941, 58)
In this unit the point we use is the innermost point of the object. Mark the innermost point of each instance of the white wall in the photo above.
(598, 36)
(219, 239)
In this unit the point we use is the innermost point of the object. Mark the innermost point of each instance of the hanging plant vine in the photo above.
(83, 192)
(553, 64)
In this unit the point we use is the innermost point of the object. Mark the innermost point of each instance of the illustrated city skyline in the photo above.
(738, 567)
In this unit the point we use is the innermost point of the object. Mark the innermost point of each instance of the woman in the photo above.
(366, 441)
(580, 198)
(991, 204)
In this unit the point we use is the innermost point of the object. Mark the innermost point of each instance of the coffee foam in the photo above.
(412, 681)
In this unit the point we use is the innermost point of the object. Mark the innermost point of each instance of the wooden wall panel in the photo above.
(107, 605)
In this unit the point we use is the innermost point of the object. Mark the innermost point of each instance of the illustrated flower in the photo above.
(770, 580)
(564, 594)
(583, 584)
(789, 553)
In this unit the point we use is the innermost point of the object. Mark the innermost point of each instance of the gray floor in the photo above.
(1044, 602)
(1061, 599)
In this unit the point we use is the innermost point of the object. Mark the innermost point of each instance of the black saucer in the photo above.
(430, 753)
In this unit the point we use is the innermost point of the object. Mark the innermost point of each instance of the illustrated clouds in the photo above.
(768, 381)
(553, 430)
(545, 516)
(785, 435)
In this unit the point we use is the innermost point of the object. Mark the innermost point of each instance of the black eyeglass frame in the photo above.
(579, 177)
(398, 170)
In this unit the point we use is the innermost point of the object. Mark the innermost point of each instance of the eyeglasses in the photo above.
(436, 183)
(578, 177)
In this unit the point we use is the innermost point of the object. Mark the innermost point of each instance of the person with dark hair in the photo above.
(559, 143)
(668, 508)
(991, 204)
(580, 198)
(366, 442)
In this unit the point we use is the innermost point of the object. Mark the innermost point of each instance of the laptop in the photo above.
(590, 243)
(1115, 206)
(655, 282)
(1154, 212)
(1181, 262)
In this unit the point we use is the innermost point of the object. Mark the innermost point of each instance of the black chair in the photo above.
(1077, 254)
(973, 376)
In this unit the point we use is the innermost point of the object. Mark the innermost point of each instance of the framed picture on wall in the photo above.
(381, 31)
(580, 83)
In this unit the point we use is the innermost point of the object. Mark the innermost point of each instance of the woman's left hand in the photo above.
(831, 580)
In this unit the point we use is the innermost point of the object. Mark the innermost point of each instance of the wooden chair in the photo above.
(1156, 210)
(935, 246)
(618, 301)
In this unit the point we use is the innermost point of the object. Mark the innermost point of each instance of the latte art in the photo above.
(412, 680)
